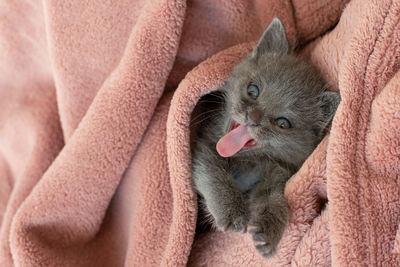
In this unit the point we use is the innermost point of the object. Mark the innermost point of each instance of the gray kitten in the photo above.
(275, 114)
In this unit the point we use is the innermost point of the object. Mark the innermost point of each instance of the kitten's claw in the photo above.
(236, 223)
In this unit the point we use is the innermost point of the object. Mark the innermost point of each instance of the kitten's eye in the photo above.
(253, 91)
(283, 123)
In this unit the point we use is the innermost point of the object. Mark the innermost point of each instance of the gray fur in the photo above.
(245, 191)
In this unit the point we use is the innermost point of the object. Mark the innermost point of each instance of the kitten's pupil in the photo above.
(283, 123)
(253, 91)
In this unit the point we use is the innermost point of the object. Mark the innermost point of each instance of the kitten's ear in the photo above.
(273, 40)
(329, 101)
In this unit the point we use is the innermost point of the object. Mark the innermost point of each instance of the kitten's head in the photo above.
(282, 100)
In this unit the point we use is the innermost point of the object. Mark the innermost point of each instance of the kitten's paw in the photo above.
(235, 221)
(267, 223)
(264, 245)
(229, 213)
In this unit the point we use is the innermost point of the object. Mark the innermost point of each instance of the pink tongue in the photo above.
(233, 141)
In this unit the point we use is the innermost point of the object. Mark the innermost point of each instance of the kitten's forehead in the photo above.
(278, 76)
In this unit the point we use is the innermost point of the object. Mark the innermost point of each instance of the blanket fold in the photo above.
(96, 102)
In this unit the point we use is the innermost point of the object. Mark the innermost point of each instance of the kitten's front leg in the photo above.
(227, 207)
(269, 212)
(220, 194)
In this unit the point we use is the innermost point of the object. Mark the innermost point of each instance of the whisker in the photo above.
(206, 118)
(198, 120)
(210, 101)
(206, 112)
(220, 95)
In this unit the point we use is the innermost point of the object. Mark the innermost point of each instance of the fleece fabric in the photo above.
(96, 100)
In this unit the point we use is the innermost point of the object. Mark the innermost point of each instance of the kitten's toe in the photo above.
(254, 229)
(259, 237)
(235, 223)
(266, 250)
(240, 224)
(263, 243)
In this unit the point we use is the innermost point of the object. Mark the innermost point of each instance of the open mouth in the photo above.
(250, 143)
(236, 139)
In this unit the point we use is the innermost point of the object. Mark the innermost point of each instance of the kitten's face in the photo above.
(282, 101)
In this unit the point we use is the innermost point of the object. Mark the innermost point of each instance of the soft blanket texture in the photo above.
(95, 105)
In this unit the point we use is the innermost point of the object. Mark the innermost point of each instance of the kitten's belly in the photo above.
(246, 179)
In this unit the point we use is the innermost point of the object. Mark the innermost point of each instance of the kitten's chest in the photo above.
(245, 176)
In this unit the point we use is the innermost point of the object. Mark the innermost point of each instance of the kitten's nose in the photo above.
(254, 117)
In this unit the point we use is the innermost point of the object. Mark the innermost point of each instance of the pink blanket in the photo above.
(95, 105)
